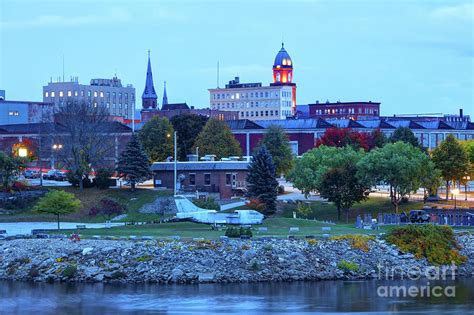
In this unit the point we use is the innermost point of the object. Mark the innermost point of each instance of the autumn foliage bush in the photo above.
(435, 243)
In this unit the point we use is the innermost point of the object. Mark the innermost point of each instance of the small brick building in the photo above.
(224, 177)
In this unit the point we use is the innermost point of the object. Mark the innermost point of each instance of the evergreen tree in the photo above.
(277, 144)
(216, 138)
(452, 160)
(156, 137)
(261, 181)
(133, 164)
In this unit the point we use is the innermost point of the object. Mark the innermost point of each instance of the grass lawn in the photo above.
(325, 211)
(278, 227)
(90, 197)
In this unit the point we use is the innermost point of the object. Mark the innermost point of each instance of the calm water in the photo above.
(283, 298)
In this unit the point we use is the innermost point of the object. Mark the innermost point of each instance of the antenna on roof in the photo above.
(63, 67)
(217, 74)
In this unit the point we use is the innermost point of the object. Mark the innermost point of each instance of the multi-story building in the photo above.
(151, 108)
(254, 101)
(24, 112)
(119, 99)
(339, 110)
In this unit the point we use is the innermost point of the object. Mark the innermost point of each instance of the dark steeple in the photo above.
(165, 97)
(149, 97)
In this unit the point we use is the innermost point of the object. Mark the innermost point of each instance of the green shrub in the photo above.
(207, 203)
(144, 258)
(102, 178)
(70, 271)
(348, 266)
(435, 243)
(235, 232)
(304, 210)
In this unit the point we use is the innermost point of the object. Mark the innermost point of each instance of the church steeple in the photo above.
(165, 97)
(149, 97)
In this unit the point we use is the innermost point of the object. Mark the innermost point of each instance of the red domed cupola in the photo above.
(283, 73)
(282, 67)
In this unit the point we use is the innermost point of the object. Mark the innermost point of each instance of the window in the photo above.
(61, 94)
(101, 94)
(271, 113)
(69, 93)
(266, 94)
(192, 179)
(13, 113)
(207, 179)
(76, 93)
(52, 94)
(46, 94)
(228, 179)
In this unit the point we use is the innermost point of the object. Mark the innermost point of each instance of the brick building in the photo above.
(341, 110)
(303, 133)
(227, 178)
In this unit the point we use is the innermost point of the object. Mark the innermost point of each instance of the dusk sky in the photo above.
(412, 56)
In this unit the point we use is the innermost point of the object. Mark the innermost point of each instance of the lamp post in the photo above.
(455, 192)
(197, 154)
(175, 136)
(466, 178)
(55, 147)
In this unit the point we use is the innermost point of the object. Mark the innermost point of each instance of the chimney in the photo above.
(460, 113)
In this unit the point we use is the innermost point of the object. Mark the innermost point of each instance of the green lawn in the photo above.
(90, 197)
(325, 211)
(278, 227)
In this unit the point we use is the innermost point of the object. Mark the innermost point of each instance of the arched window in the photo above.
(289, 77)
(278, 77)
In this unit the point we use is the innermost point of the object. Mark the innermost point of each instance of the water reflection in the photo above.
(260, 298)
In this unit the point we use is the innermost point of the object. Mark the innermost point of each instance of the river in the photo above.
(261, 298)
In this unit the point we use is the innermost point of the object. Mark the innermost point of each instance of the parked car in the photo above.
(419, 216)
(55, 175)
(32, 174)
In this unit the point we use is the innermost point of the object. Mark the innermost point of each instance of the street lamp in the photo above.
(175, 136)
(455, 192)
(466, 178)
(22, 152)
(55, 147)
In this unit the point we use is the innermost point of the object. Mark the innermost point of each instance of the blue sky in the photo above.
(412, 56)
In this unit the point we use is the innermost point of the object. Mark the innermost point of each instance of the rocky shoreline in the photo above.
(174, 261)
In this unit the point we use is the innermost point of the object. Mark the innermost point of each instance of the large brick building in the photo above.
(303, 133)
(341, 110)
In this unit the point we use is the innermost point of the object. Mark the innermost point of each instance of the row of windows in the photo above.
(192, 179)
(89, 93)
(329, 111)
(256, 113)
(236, 96)
(243, 105)
(13, 113)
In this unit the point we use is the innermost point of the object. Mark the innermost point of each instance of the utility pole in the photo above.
(175, 161)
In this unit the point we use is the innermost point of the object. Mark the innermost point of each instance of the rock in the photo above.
(206, 277)
(87, 251)
(99, 277)
(176, 274)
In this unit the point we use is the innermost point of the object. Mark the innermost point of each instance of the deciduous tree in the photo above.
(452, 160)
(58, 202)
(277, 144)
(399, 165)
(9, 167)
(341, 137)
(405, 134)
(156, 137)
(308, 172)
(342, 186)
(216, 138)
(188, 126)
